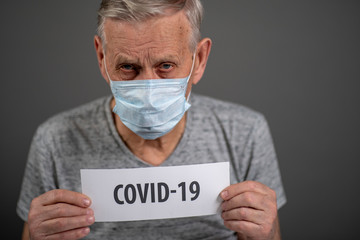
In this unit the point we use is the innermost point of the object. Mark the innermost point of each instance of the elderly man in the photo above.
(150, 53)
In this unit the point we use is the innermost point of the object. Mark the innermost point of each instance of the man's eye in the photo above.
(127, 67)
(166, 66)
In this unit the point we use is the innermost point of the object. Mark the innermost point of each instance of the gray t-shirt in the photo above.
(86, 137)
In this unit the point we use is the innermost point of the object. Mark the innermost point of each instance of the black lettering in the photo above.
(133, 195)
(152, 189)
(162, 198)
(183, 191)
(143, 194)
(116, 196)
(194, 189)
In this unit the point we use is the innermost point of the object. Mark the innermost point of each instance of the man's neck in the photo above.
(154, 152)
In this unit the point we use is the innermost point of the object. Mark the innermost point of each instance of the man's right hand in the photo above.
(60, 214)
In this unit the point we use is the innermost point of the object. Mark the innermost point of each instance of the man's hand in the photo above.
(250, 209)
(60, 214)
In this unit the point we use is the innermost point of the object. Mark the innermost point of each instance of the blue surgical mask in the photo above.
(150, 108)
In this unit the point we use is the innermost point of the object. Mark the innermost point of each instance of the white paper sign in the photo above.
(155, 192)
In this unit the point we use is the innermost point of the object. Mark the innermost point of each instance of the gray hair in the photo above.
(140, 10)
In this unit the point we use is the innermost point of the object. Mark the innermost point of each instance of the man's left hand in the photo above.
(250, 209)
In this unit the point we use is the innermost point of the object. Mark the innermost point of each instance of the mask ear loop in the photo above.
(106, 68)
(192, 67)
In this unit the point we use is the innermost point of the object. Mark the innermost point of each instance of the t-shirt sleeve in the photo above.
(264, 165)
(39, 174)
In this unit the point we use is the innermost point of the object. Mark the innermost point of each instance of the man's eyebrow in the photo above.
(125, 59)
(121, 58)
(170, 57)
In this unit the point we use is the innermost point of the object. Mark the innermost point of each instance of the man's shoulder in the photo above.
(83, 116)
(226, 110)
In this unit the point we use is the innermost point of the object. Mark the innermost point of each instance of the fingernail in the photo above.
(224, 194)
(86, 202)
(86, 230)
(91, 219)
(89, 212)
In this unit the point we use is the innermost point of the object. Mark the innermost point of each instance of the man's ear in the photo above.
(100, 56)
(202, 55)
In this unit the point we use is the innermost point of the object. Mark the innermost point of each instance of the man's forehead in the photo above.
(178, 17)
(154, 32)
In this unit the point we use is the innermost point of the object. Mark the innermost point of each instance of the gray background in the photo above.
(298, 62)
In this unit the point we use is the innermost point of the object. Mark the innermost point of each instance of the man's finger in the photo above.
(70, 235)
(247, 199)
(64, 210)
(64, 196)
(243, 227)
(59, 225)
(247, 186)
(244, 214)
